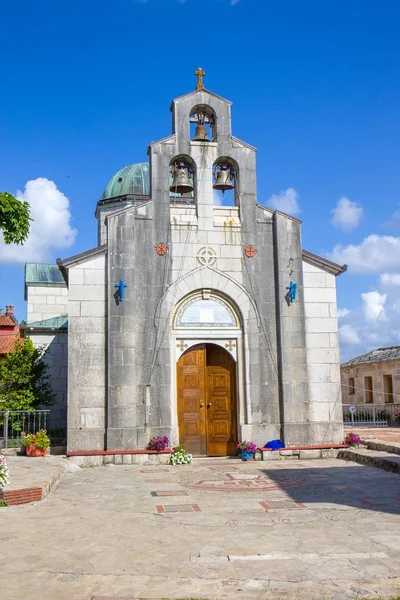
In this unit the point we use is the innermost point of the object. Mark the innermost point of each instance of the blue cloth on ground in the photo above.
(274, 445)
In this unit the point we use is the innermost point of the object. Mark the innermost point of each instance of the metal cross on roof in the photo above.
(200, 74)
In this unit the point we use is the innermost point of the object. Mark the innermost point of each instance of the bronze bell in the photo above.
(181, 183)
(224, 179)
(201, 134)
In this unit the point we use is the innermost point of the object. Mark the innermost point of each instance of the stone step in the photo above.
(374, 444)
(373, 458)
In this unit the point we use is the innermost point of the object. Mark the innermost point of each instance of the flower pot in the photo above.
(33, 451)
(247, 455)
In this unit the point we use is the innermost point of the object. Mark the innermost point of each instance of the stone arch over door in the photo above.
(208, 278)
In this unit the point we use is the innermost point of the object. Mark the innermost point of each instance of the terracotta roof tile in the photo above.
(378, 355)
(6, 321)
(7, 343)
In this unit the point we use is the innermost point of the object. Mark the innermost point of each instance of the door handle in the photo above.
(209, 404)
(201, 404)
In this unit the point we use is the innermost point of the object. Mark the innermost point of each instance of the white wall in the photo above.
(46, 302)
(87, 354)
(322, 354)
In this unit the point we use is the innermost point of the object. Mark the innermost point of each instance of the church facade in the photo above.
(192, 318)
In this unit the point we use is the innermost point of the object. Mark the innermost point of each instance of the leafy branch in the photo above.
(14, 219)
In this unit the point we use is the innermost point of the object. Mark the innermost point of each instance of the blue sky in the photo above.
(315, 87)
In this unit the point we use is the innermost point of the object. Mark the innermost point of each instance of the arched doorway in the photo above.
(207, 406)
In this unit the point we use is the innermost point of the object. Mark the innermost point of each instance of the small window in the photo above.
(352, 388)
(369, 394)
(388, 388)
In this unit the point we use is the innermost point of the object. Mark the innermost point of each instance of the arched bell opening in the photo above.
(182, 180)
(202, 124)
(226, 182)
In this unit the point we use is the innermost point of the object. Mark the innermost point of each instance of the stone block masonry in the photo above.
(87, 353)
(322, 345)
(46, 302)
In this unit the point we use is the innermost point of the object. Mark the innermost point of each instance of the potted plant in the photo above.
(352, 440)
(158, 443)
(246, 450)
(37, 444)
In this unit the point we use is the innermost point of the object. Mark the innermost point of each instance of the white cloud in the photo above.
(375, 254)
(343, 312)
(349, 334)
(346, 215)
(375, 323)
(51, 225)
(374, 306)
(389, 279)
(286, 201)
(394, 221)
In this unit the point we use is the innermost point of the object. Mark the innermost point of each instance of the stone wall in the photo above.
(122, 355)
(291, 328)
(377, 371)
(322, 355)
(46, 302)
(87, 354)
(57, 359)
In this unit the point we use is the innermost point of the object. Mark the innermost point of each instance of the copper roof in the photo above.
(7, 343)
(6, 321)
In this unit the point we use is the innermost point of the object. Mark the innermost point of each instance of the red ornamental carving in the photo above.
(161, 249)
(250, 251)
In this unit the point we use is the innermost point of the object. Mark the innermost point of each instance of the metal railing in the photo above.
(371, 415)
(15, 424)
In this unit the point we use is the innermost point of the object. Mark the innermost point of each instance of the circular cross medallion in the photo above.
(207, 256)
(250, 251)
(161, 249)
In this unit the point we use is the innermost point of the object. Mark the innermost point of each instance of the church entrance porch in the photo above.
(207, 407)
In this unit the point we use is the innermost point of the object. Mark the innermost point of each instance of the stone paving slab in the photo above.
(27, 471)
(100, 535)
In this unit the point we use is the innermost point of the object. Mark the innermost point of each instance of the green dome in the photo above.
(133, 179)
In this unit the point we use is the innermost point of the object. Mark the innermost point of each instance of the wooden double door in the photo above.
(207, 401)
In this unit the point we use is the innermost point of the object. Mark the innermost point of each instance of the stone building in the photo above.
(373, 378)
(47, 296)
(198, 315)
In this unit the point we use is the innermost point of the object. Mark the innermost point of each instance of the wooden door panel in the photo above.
(221, 402)
(191, 400)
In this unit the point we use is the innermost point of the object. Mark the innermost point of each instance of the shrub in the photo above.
(352, 440)
(179, 456)
(24, 378)
(4, 474)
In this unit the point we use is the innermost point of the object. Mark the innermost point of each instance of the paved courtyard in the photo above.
(323, 529)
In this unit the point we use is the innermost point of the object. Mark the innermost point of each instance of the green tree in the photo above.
(24, 378)
(14, 219)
